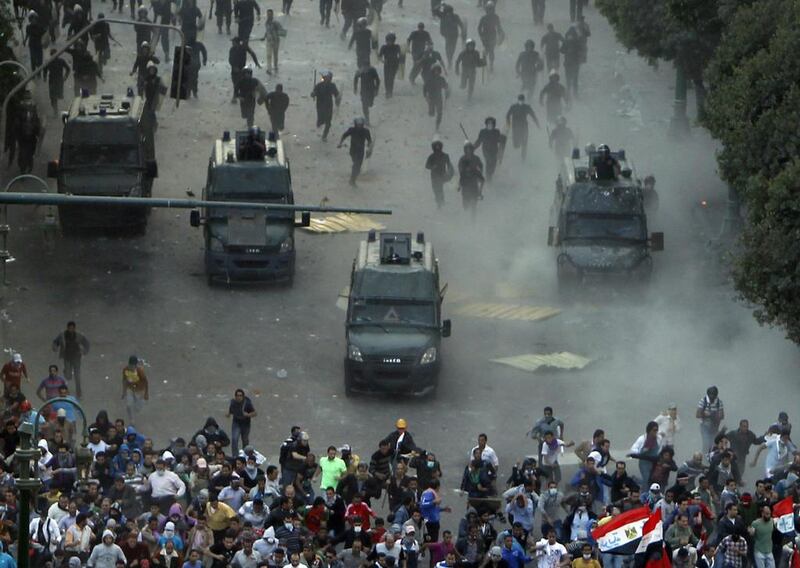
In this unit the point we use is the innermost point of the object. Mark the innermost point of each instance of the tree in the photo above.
(753, 108)
(684, 32)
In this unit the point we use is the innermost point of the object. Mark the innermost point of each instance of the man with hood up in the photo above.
(106, 554)
(45, 463)
(213, 434)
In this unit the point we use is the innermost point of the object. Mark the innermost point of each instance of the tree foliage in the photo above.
(754, 109)
(685, 32)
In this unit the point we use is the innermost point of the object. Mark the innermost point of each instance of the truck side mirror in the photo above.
(151, 169)
(64, 117)
(194, 218)
(52, 169)
(657, 241)
(447, 328)
(305, 218)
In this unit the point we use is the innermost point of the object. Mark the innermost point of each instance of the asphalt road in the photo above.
(148, 295)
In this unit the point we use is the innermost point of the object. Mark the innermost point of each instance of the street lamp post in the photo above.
(27, 454)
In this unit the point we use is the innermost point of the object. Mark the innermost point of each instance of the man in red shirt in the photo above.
(13, 372)
(359, 509)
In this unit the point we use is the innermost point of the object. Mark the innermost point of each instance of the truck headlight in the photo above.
(215, 245)
(287, 245)
(429, 356)
(354, 353)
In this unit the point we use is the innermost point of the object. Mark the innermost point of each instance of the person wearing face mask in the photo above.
(551, 509)
(354, 533)
(578, 523)
(169, 535)
(233, 495)
(587, 560)
(288, 534)
(164, 486)
(428, 468)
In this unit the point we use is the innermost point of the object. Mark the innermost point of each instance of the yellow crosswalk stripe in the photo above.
(342, 223)
(490, 310)
(532, 361)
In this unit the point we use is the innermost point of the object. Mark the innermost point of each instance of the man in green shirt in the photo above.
(680, 535)
(761, 530)
(333, 469)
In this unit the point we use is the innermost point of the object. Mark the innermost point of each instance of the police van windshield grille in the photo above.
(97, 134)
(595, 199)
(243, 182)
(600, 226)
(413, 286)
(101, 154)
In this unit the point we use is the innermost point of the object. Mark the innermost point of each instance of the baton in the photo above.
(466, 136)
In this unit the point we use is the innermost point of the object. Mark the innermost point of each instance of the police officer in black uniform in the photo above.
(441, 171)
(492, 141)
(326, 94)
(370, 82)
(360, 146)
(391, 56)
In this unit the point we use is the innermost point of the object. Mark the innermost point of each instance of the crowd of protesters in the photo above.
(211, 500)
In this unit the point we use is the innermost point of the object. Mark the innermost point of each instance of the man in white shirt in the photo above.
(487, 452)
(165, 486)
(668, 425)
(550, 553)
(552, 449)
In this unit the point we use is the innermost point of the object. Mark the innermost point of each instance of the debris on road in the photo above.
(532, 361)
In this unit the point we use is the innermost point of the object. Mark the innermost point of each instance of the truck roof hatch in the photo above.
(395, 248)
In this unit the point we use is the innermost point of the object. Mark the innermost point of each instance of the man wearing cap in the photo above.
(13, 372)
(401, 441)
(296, 459)
(233, 495)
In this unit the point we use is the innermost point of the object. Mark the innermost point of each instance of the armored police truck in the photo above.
(248, 245)
(599, 226)
(107, 149)
(394, 322)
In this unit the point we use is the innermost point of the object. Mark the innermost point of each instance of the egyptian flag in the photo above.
(621, 535)
(652, 551)
(783, 513)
